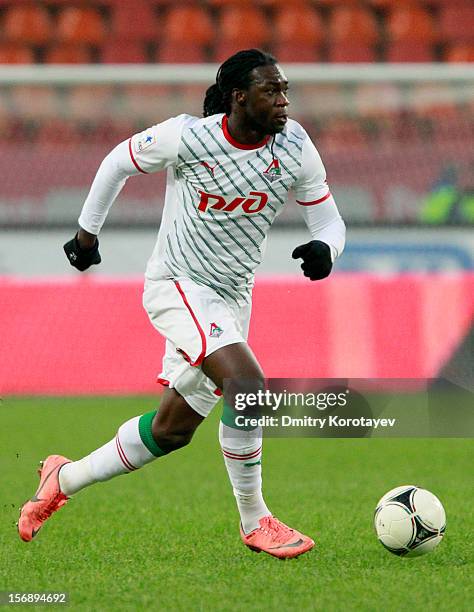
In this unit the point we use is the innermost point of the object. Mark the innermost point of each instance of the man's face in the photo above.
(265, 100)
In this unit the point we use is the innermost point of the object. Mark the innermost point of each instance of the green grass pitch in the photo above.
(166, 538)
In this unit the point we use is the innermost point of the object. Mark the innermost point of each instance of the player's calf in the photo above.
(174, 425)
(169, 440)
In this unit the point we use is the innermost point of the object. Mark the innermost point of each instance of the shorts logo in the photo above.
(215, 331)
(273, 172)
(253, 203)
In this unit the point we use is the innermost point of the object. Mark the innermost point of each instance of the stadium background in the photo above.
(396, 137)
(396, 140)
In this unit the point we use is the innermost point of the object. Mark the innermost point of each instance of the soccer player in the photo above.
(228, 177)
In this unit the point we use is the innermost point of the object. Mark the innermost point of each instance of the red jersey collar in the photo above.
(239, 145)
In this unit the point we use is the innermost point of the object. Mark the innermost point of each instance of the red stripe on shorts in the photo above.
(200, 330)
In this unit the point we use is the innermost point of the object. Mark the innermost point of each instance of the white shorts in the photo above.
(195, 321)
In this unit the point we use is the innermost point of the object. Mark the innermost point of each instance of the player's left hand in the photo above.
(316, 256)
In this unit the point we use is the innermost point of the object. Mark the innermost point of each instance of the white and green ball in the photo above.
(409, 521)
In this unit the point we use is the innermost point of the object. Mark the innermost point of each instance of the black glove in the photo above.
(82, 258)
(316, 256)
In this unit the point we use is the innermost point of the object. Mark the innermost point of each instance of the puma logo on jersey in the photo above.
(253, 203)
(208, 167)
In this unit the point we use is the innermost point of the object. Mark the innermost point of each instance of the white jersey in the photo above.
(222, 197)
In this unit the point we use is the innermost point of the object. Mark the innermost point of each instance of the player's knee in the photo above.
(240, 394)
(169, 440)
(251, 383)
(251, 376)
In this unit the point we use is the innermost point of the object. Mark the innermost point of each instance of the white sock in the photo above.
(242, 452)
(122, 455)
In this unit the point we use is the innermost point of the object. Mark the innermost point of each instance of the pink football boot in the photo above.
(277, 539)
(47, 499)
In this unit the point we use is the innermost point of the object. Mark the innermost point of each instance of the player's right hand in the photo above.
(82, 258)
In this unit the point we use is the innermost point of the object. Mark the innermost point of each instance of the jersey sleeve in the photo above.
(316, 204)
(156, 148)
(311, 186)
(149, 151)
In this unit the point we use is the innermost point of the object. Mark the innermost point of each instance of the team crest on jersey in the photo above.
(215, 331)
(273, 172)
(144, 141)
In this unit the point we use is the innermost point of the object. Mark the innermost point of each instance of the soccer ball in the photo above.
(409, 521)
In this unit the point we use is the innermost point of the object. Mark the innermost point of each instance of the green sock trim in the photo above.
(144, 427)
(228, 418)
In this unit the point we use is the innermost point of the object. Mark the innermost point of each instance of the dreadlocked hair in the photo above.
(234, 73)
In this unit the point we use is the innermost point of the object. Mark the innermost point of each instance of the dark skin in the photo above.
(176, 422)
(260, 110)
(256, 112)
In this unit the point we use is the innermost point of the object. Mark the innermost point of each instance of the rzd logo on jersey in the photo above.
(253, 203)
